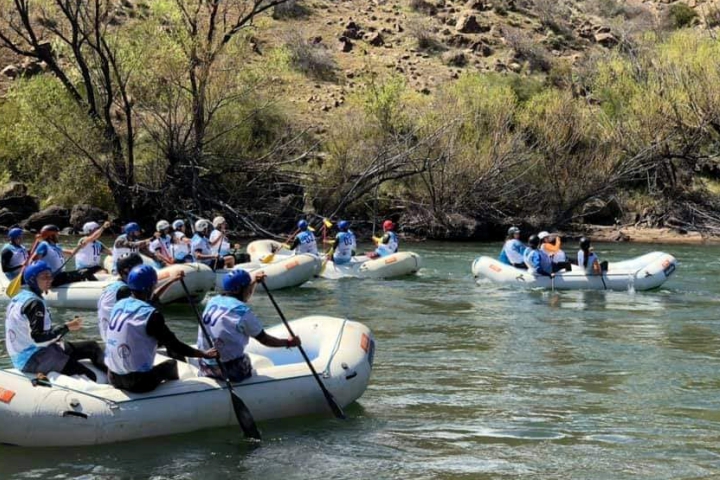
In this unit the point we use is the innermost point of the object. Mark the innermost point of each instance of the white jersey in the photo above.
(224, 247)
(345, 243)
(118, 252)
(179, 248)
(89, 255)
(106, 302)
(230, 323)
(18, 336)
(306, 243)
(514, 250)
(52, 254)
(129, 348)
(19, 255)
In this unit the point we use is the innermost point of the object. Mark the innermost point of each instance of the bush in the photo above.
(422, 32)
(422, 6)
(455, 58)
(680, 15)
(711, 15)
(312, 59)
(526, 49)
(290, 9)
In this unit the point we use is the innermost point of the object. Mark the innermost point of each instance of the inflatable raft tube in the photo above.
(395, 265)
(74, 411)
(646, 272)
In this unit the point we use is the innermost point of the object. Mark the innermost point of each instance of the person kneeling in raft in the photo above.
(134, 332)
(32, 342)
(231, 323)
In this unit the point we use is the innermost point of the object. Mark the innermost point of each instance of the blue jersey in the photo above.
(230, 324)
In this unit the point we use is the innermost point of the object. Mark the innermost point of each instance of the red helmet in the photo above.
(388, 225)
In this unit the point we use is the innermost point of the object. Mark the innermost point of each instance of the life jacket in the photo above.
(18, 335)
(105, 304)
(128, 346)
(230, 323)
(89, 255)
(307, 243)
(345, 243)
(19, 255)
(385, 249)
(53, 255)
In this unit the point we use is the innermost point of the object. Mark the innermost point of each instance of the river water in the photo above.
(472, 381)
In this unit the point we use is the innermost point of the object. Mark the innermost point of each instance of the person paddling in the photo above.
(33, 343)
(90, 250)
(135, 330)
(201, 250)
(50, 251)
(344, 245)
(116, 291)
(161, 245)
(587, 260)
(180, 243)
(219, 242)
(129, 242)
(230, 323)
(513, 250)
(305, 240)
(389, 243)
(536, 260)
(13, 254)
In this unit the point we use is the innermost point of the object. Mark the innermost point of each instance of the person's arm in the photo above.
(157, 329)
(252, 326)
(5, 259)
(270, 341)
(40, 252)
(385, 239)
(295, 244)
(93, 236)
(34, 311)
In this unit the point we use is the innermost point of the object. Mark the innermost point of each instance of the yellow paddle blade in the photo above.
(311, 229)
(14, 287)
(327, 223)
(268, 258)
(376, 239)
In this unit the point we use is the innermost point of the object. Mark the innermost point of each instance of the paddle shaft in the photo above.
(328, 396)
(244, 417)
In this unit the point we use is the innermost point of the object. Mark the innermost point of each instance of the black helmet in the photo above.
(534, 241)
(128, 260)
(584, 243)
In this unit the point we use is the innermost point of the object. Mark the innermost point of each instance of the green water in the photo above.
(473, 381)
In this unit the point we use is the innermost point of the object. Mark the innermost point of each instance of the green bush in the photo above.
(680, 15)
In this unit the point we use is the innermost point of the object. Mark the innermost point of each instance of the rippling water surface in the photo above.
(473, 381)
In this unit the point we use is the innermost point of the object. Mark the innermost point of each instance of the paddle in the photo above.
(16, 283)
(243, 415)
(271, 257)
(328, 396)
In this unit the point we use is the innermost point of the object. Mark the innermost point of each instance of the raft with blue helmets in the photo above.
(645, 272)
(73, 411)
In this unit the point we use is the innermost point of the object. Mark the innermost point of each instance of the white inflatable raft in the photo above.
(75, 411)
(395, 265)
(641, 273)
(199, 279)
(285, 272)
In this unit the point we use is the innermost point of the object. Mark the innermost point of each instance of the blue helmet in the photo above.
(131, 227)
(235, 280)
(15, 233)
(302, 225)
(142, 278)
(30, 274)
(343, 225)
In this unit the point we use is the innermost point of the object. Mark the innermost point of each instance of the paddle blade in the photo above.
(376, 239)
(244, 417)
(14, 287)
(268, 258)
(327, 223)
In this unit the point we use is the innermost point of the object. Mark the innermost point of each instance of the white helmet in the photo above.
(217, 221)
(90, 227)
(162, 225)
(178, 224)
(202, 225)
